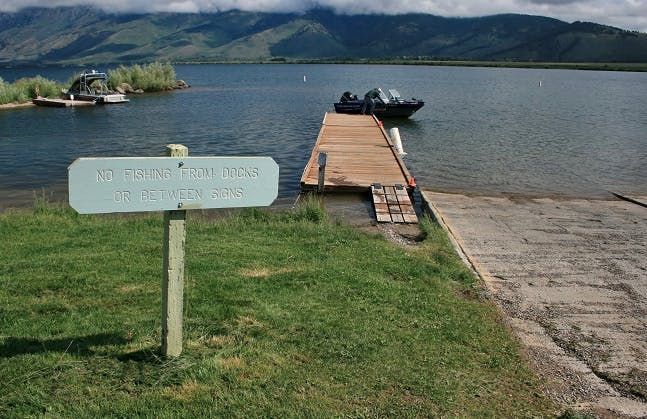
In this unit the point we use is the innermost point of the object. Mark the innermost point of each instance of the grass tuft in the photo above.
(311, 209)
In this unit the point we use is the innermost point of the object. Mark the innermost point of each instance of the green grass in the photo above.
(286, 315)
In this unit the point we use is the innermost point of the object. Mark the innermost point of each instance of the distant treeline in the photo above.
(429, 61)
(425, 61)
(149, 77)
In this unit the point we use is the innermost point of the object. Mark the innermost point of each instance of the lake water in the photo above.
(482, 130)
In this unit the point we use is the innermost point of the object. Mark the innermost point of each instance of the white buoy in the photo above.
(394, 133)
(304, 79)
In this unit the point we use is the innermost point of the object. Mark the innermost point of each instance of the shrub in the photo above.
(25, 89)
(149, 77)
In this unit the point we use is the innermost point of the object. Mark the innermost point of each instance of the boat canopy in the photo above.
(92, 83)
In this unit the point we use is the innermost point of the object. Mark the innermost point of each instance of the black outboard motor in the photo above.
(347, 97)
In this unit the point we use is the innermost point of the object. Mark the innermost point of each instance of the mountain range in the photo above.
(85, 35)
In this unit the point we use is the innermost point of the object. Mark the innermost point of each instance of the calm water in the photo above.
(495, 131)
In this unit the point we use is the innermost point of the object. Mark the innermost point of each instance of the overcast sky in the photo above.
(626, 14)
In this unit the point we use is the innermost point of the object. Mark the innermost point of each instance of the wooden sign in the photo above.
(172, 184)
(139, 184)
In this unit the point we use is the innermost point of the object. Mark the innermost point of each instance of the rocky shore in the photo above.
(126, 88)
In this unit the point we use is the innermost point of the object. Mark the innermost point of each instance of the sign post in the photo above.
(322, 158)
(172, 184)
(173, 271)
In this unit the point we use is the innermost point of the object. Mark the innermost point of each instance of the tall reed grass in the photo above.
(25, 89)
(149, 77)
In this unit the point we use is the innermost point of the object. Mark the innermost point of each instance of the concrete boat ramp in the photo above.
(571, 277)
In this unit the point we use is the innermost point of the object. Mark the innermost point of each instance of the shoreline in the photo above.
(17, 105)
(586, 66)
(20, 199)
(628, 67)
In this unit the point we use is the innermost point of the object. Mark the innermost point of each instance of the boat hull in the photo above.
(112, 98)
(390, 110)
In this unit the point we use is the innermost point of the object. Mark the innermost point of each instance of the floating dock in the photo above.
(353, 153)
(60, 103)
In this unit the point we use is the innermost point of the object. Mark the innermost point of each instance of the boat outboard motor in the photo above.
(347, 97)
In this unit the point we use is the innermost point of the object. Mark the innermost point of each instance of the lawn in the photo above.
(286, 314)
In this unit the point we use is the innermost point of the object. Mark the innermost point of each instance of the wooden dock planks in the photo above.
(60, 103)
(359, 155)
(392, 204)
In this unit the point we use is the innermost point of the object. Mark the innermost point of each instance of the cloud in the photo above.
(627, 14)
(555, 2)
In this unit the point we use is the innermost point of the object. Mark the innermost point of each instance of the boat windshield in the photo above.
(395, 94)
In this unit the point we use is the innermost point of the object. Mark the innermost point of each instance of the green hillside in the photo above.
(84, 35)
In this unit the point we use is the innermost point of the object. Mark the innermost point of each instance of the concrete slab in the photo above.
(571, 276)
